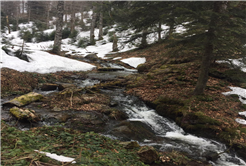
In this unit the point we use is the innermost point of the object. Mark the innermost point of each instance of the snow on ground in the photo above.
(235, 62)
(241, 94)
(43, 62)
(57, 157)
(134, 61)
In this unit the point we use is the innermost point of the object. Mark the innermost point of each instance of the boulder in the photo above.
(24, 99)
(211, 156)
(133, 130)
(148, 154)
(130, 144)
(92, 56)
(24, 114)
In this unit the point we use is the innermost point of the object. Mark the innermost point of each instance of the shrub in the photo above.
(65, 33)
(73, 35)
(83, 42)
(26, 35)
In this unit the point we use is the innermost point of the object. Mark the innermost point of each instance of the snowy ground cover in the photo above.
(43, 62)
(242, 95)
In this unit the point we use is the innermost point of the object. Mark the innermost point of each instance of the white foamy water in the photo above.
(174, 136)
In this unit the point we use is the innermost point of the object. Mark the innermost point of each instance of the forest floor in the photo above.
(166, 83)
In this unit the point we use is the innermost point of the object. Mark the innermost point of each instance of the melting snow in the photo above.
(57, 157)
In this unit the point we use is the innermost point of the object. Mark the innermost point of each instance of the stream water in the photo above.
(174, 137)
(171, 136)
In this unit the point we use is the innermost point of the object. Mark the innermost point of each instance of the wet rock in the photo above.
(24, 99)
(113, 104)
(48, 87)
(115, 114)
(62, 86)
(130, 144)
(122, 130)
(24, 114)
(88, 121)
(92, 56)
(133, 130)
(148, 154)
(142, 68)
(211, 156)
(110, 69)
(118, 115)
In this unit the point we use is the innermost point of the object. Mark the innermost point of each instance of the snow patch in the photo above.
(134, 62)
(57, 157)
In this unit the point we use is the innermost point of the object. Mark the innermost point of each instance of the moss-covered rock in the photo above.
(148, 154)
(25, 99)
(24, 114)
(130, 144)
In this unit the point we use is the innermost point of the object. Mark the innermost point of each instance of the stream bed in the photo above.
(171, 136)
(165, 135)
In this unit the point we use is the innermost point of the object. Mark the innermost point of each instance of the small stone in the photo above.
(148, 154)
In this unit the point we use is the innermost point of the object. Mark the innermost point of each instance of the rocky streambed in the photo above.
(98, 103)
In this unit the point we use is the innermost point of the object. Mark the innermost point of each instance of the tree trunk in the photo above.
(171, 29)
(144, 39)
(17, 17)
(159, 32)
(100, 35)
(93, 23)
(72, 21)
(48, 15)
(115, 45)
(208, 53)
(29, 14)
(23, 7)
(7, 21)
(59, 24)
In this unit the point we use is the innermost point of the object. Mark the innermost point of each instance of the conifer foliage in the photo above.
(214, 30)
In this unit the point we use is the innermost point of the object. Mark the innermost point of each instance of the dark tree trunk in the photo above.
(159, 32)
(93, 23)
(100, 35)
(208, 53)
(59, 24)
(72, 21)
(47, 15)
(144, 39)
(115, 45)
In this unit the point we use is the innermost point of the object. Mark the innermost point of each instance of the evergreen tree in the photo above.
(215, 30)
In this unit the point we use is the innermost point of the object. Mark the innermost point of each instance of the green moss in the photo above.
(205, 98)
(203, 119)
(228, 134)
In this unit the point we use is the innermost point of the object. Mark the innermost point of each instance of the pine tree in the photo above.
(215, 30)
(59, 24)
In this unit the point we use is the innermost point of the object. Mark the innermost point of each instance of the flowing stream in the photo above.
(170, 135)
(174, 137)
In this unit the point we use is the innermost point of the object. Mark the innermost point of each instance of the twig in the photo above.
(71, 99)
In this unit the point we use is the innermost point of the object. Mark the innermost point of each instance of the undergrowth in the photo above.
(87, 148)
